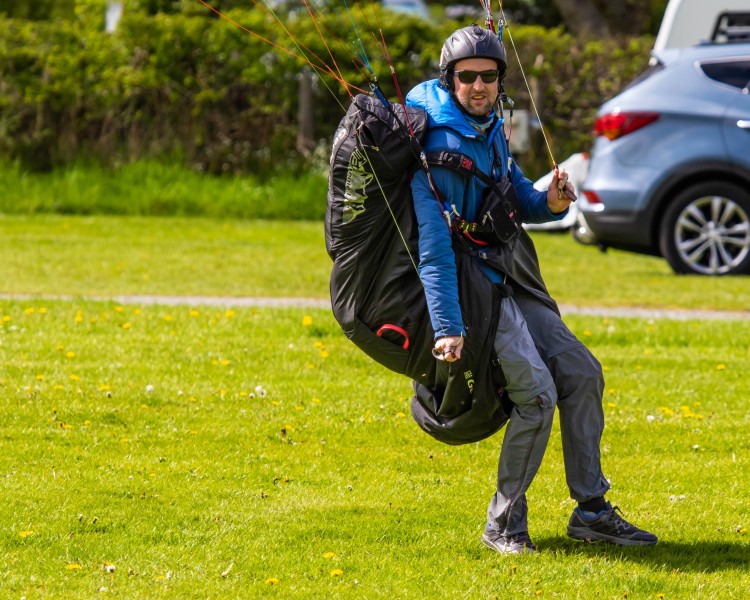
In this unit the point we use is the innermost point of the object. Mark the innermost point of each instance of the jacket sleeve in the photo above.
(437, 262)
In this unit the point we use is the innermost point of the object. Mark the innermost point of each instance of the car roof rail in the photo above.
(731, 26)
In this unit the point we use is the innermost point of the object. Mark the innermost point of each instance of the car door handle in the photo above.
(743, 124)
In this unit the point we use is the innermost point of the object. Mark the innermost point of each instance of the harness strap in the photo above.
(466, 167)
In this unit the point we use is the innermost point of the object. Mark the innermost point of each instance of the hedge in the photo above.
(206, 92)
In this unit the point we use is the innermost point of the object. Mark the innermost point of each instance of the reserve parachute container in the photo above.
(376, 294)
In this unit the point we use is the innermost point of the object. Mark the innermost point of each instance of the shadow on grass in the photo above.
(703, 556)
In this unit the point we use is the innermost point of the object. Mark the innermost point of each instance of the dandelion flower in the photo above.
(329, 555)
(337, 573)
(25, 533)
(272, 581)
(306, 321)
(73, 567)
(720, 367)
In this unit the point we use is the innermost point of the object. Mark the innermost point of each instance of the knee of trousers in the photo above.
(540, 410)
(577, 373)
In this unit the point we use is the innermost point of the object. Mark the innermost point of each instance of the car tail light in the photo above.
(592, 197)
(617, 124)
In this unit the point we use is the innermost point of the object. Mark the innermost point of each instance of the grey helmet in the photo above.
(470, 42)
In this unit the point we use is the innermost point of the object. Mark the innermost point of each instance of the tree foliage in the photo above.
(224, 100)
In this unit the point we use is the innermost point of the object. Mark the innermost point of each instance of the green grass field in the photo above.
(197, 451)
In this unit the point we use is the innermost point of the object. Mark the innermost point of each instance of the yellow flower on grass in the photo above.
(70, 354)
(587, 333)
(272, 581)
(306, 321)
(167, 317)
(720, 367)
(73, 567)
(195, 313)
(74, 378)
(329, 555)
(337, 573)
(43, 310)
(104, 387)
(229, 314)
(25, 533)
(119, 309)
(29, 311)
(126, 325)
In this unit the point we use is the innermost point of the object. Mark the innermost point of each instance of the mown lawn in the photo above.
(198, 451)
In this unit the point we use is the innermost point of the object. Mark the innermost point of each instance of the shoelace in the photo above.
(617, 521)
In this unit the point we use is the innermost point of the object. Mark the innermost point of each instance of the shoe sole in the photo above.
(586, 535)
(505, 550)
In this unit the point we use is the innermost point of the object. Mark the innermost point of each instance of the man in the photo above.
(543, 363)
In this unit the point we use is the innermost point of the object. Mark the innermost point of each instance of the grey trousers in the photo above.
(559, 370)
(580, 387)
(532, 390)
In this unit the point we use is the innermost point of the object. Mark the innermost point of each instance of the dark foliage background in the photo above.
(179, 83)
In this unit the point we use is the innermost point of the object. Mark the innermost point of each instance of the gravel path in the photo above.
(566, 309)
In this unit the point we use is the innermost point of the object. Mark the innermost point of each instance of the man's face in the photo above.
(476, 97)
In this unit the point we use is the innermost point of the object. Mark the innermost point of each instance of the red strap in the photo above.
(397, 329)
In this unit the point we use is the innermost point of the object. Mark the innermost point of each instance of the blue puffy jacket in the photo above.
(450, 130)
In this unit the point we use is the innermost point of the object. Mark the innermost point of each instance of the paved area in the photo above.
(569, 309)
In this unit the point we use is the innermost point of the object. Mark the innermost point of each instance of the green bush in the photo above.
(226, 101)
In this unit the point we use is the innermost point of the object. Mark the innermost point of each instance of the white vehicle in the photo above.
(690, 22)
(576, 166)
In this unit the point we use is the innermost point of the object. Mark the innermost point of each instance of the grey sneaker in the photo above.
(518, 543)
(607, 526)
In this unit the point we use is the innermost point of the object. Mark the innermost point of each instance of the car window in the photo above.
(735, 72)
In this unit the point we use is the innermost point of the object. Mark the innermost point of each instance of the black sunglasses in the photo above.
(471, 76)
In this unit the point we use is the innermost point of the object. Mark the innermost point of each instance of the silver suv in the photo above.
(669, 173)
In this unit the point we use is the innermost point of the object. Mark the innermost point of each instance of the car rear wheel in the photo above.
(706, 230)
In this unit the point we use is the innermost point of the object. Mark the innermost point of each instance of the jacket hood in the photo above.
(442, 110)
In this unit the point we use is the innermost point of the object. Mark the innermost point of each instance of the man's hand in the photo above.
(448, 348)
(560, 193)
